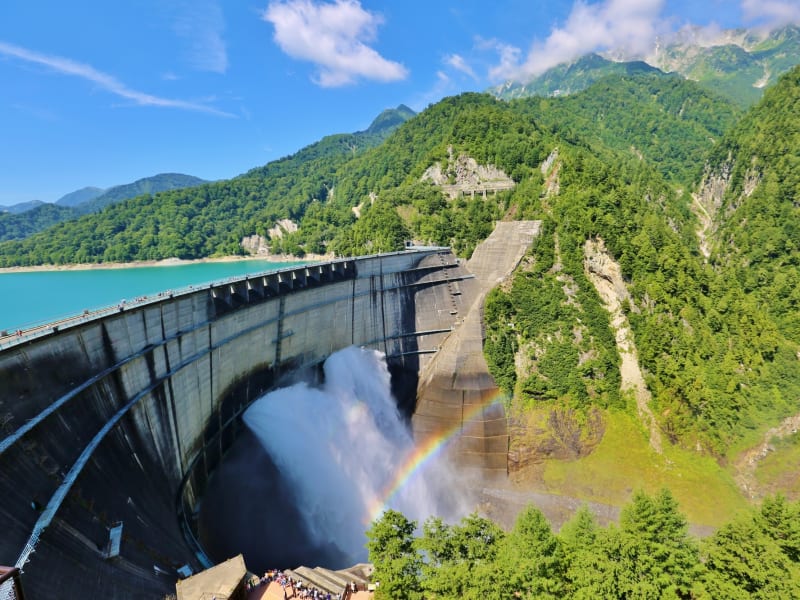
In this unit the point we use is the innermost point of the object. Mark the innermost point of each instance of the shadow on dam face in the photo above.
(251, 507)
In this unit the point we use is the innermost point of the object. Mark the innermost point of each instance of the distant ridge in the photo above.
(21, 207)
(570, 78)
(390, 119)
(36, 216)
(80, 196)
(147, 185)
(736, 63)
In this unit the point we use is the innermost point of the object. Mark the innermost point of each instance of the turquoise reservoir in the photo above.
(38, 297)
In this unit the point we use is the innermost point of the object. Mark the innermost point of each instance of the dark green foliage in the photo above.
(649, 555)
(391, 549)
(85, 201)
(758, 241)
(673, 125)
(755, 556)
(148, 185)
(380, 229)
(17, 226)
(652, 551)
(530, 561)
(456, 557)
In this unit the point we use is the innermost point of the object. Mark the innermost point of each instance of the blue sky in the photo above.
(103, 93)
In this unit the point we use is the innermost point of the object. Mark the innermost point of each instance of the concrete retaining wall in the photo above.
(104, 419)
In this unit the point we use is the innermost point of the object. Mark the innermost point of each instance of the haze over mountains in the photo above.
(736, 63)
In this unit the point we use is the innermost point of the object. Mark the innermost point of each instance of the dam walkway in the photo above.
(456, 392)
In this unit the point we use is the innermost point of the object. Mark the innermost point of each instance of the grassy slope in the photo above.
(624, 462)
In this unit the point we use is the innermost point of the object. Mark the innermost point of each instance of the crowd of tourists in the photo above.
(295, 588)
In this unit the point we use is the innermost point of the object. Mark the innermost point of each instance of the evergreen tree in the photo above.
(530, 561)
(744, 562)
(390, 543)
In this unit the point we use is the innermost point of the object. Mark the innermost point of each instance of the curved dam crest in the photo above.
(112, 426)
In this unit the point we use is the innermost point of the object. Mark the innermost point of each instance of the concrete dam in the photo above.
(113, 424)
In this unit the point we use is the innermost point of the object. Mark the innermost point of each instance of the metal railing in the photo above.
(10, 584)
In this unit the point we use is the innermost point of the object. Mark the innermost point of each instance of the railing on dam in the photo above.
(149, 389)
(10, 584)
(231, 290)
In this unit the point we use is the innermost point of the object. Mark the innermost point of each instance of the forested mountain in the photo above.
(147, 185)
(17, 226)
(20, 207)
(715, 361)
(85, 201)
(738, 64)
(79, 196)
(211, 219)
(751, 191)
(572, 77)
(710, 305)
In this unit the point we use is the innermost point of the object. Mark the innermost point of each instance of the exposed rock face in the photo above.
(550, 169)
(463, 175)
(606, 276)
(259, 245)
(281, 227)
(255, 244)
(708, 201)
(553, 433)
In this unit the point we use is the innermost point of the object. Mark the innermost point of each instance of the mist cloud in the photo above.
(772, 13)
(628, 25)
(334, 37)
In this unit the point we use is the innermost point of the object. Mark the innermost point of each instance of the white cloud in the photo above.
(627, 25)
(772, 13)
(201, 24)
(333, 36)
(459, 64)
(105, 81)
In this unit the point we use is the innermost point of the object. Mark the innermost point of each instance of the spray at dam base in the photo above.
(117, 426)
(322, 463)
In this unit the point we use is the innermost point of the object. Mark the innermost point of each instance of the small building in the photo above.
(225, 581)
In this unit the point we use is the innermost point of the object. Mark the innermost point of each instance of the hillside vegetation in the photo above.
(737, 64)
(717, 338)
(649, 555)
(20, 225)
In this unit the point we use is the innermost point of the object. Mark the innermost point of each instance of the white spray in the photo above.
(340, 446)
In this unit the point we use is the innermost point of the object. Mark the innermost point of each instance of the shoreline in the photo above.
(167, 262)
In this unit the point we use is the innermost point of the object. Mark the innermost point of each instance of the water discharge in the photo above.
(340, 446)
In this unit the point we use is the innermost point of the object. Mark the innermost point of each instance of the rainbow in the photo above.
(422, 455)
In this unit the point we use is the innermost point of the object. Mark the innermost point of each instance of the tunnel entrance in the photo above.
(251, 506)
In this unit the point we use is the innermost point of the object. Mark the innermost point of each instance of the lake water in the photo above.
(28, 299)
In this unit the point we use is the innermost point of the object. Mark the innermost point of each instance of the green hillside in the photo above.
(739, 65)
(17, 226)
(611, 167)
(572, 77)
(85, 201)
(208, 219)
(717, 363)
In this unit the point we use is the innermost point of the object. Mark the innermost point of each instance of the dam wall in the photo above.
(111, 425)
